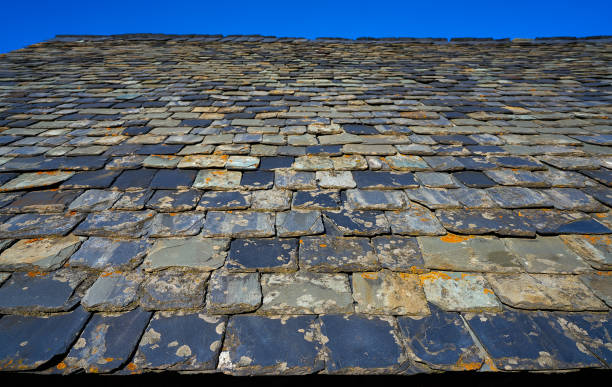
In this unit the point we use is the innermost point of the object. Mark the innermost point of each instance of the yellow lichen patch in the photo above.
(468, 366)
(36, 274)
(322, 245)
(598, 239)
(605, 273)
(454, 238)
(109, 273)
(28, 241)
(416, 270)
(93, 370)
(371, 276)
(109, 359)
(488, 291)
(61, 366)
(432, 276)
(47, 173)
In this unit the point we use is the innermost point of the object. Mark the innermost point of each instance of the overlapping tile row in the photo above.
(255, 205)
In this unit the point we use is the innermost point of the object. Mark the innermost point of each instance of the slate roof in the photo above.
(257, 205)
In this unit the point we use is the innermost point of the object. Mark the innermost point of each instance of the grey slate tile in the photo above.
(38, 226)
(174, 200)
(263, 255)
(348, 223)
(109, 254)
(116, 224)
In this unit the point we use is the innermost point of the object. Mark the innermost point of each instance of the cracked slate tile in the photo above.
(176, 224)
(173, 200)
(271, 200)
(173, 289)
(38, 292)
(224, 200)
(316, 200)
(296, 223)
(133, 200)
(525, 346)
(263, 255)
(94, 200)
(348, 223)
(516, 177)
(29, 342)
(441, 341)
(113, 291)
(305, 293)
(546, 255)
(240, 224)
(573, 199)
(335, 254)
(595, 249)
(35, 179)
(484, 221)
(179, 341)
(551, 222)
(544, 291)
(600, 284)
(39, 226)
(588, 330)
(217, 179)
(361, 345)
(468, 253)
(109, 254)
(257, 345)
(116, 224)
(603, 175)
(416, 220)
(375, 200)
(388, 293)
(294, 180)
(231, 293)
(459, 291)
(349, 163)
(198, 253)
(399, 253)
(107, 342)
(43, 254)
(433, 198)
(335, 179)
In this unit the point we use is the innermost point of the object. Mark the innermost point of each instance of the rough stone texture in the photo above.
(178, 341)
(335, 179)
(399, 253)
(174, 289)
(107, 342)
(600, 284)
(501, 222)
(595, 249)
(544, 291)
(441, 341)
(238, 224)
(29, 342)
(230, 293)
(590, 330)
(256, 345)
(296, 223)
(217, 179)
(375, 200)
(457, 291)
(361, 345)
(271, 200)
(305, 293)
(94, 200)
(389, 293)
(116, 224)
(546, 255)
(109, 254)
(416, 220)
(35, 179)
(45, 254)
(263, 255)
(337, 254)
(356, 222)
(176, 224)
(113, 292)
(196, 253)
(468, 253)
(39, 226)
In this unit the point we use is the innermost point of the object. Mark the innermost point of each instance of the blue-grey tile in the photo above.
(27, 226)
(116, 224)
(263, 255)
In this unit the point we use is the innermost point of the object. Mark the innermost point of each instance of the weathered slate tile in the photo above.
(176, 224)
(296, 223)
(416, 220)
(546, 255)
(287, 179)
(36, 179)
(349, 163)
(384, 180)
(517, 162)
(335, 179)
(603, 175)
(388, 293)
(599, 282)
(551, 222)
(174, 201)
(441, 340)
(257, 345)
(263, 255)
(544, 291)
(407, 163)
(277, 162)
(313, 163)
(347, 223)
(116, 224)
(443, 163)
(484, 221)
(41, 201)
(335, 254)
(39, 226)
(161, 161)
(173, 179)
(7, 198)
(375, 199)
(473, 198)
(399, 253)
(94, 200)
(305, 293)
(173, 289)
(238, 224)
(433, 198)
(134, 179)
(203, 161)
(468, 253)
(559, 178)
(253, 180)
(224, 200)
(196, 253)
(436, 179)
(30, 342)
(107, 342)
(109, 254)
(474, 179)
(178, 341)
(570, 163)
(520, 177)
(360, 345)
(525, 346)
(271, 200)
(218, 179)
(134, 200)
(44, 254)
(316, 200)
(129, 161)
(459, 291)
(36, 292)
(230, 293)
(573, 199)
(592, 331)
(113, 292)
(518, 197)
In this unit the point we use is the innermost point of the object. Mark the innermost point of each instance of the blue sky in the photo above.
(28, 22)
